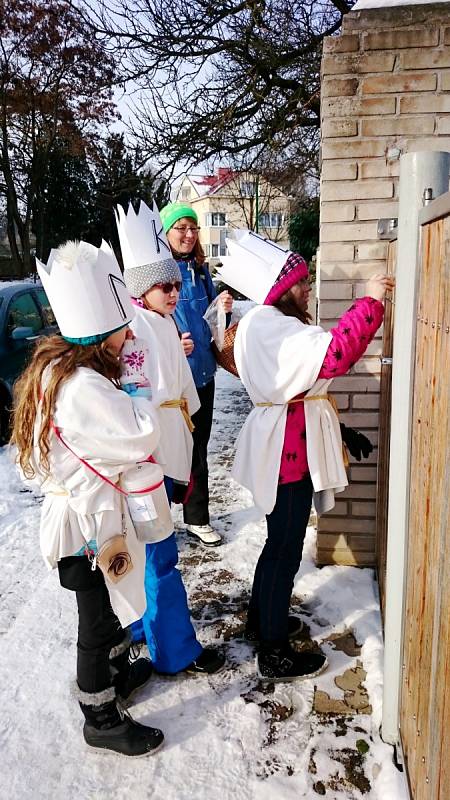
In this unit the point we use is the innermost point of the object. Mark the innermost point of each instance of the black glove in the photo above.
(358, 445)
(181, 492)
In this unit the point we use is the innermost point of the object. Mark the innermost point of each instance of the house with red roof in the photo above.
(231, 199)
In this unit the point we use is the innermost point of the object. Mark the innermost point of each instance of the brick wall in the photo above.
(385, 91)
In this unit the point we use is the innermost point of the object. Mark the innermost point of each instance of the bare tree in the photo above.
(215, 78)
(55, 82)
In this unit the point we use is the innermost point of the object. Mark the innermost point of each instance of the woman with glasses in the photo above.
(153, 280)
(197, 292)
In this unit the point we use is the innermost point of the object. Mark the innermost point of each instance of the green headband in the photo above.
(95, 339)
(171, 213)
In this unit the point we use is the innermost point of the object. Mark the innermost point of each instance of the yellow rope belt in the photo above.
(331, 401)
(182, 404)
(328, 397)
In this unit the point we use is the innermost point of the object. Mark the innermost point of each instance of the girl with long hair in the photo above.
(76, 434)
(290, 448)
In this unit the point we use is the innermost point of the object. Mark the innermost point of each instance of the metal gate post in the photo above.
(421, 173)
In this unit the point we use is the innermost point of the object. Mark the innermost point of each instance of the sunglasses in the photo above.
(167, 287)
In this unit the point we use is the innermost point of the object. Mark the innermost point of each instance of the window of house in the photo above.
(271, 220)
(247, 189)
(186, 193)
(24, 313)
(216, 219)
(215, 250)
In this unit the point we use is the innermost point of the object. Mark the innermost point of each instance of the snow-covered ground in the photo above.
(227, 736)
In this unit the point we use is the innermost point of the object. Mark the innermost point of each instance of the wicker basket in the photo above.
(225, 357)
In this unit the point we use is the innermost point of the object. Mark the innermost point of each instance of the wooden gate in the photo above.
(425, 703)
(384, 434)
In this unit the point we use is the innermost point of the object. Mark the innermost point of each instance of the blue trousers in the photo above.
(279, 562)
(166, 625)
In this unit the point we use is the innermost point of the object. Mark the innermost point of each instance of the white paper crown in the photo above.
(85, 289)
(253, 265)
(146, 253)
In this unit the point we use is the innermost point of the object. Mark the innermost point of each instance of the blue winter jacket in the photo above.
(197, 292)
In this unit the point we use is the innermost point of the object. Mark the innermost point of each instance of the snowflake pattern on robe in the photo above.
(133, 362)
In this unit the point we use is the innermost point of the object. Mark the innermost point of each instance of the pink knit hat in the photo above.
(295, 269)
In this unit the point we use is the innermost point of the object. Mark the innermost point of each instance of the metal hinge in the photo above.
(386, 360)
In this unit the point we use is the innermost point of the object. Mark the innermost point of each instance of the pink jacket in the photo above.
(354, 332)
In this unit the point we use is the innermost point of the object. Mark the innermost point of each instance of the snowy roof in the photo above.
(196, 181)
(209, 184)
(361, 4)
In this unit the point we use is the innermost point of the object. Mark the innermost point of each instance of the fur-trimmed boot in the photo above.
(108, 727)
(128, 676)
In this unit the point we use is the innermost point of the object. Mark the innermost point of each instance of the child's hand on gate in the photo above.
(378, 285)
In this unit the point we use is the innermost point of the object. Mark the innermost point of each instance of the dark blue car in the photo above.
(25, 316)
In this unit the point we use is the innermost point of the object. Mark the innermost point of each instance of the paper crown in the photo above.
(146, 253)
(253, 265)
(86, 290)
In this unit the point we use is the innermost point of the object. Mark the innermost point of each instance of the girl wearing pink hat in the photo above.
(290, 448)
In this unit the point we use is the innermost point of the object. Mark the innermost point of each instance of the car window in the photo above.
(46, 307)
(23, 312)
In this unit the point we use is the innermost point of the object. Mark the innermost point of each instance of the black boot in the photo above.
(108, 727)
(207, 663)
(281, 664)
(128, 676)
(295, 626)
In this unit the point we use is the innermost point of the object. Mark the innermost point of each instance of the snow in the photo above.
(225, 736)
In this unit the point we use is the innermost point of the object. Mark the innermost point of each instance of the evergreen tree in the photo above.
(63, 208)
(118, 180)
(79, 192)
(304, 228)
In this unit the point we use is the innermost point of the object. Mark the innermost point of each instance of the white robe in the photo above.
(170, 379)
(101, 425)
(278, 357)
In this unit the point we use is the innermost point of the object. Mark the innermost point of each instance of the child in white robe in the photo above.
(153, 280)
(77, 434)
(290, 446)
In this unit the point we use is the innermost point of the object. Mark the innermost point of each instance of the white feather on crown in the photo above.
(253, 264)
(85, 289)
(146, 253)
